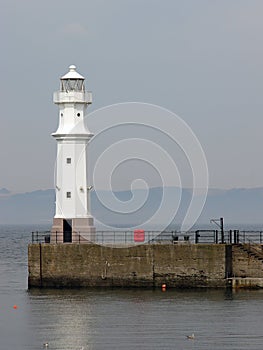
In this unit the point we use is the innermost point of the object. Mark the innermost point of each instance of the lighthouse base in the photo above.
(73, 230)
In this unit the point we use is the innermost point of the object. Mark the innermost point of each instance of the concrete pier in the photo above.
(148, 265)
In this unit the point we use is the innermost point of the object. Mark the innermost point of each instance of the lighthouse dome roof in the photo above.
(72, 74)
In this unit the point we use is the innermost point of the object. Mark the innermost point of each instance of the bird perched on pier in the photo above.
(192, 336)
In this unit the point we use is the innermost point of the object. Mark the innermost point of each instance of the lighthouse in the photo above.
(72, 221)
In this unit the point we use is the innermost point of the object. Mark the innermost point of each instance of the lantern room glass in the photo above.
(72, 85)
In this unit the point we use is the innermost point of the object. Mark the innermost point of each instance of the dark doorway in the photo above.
(67, 231)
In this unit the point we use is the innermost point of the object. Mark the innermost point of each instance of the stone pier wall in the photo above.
(90, 265)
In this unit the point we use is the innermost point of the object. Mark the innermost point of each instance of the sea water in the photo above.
(119, 318)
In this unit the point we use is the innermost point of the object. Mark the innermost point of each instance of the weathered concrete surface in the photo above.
(189, 265)
(85, 265)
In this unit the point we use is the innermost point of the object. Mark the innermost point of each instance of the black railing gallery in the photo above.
(156, 237)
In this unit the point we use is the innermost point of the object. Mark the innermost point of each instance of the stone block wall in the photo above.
(91, 265)
(190, 265)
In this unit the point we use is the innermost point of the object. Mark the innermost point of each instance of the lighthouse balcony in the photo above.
(72, 97)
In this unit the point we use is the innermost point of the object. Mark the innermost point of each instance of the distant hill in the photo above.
(4, 191)
(237, 206)
(35, 207)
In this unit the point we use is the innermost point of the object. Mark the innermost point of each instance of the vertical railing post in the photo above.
(196, 237)
(222, 230)
(216, 234)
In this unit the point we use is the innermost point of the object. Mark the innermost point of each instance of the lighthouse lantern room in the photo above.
(72, 221)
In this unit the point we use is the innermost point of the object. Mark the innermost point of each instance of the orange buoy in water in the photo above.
(15, 307)
(163, 287)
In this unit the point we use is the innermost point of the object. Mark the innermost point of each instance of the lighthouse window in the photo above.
(68, 194)
(72, 85)
(78, 114)
(68, 160)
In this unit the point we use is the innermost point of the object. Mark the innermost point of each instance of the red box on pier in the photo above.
(139, 235)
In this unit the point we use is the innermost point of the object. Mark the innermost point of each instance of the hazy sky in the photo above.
(201, 59)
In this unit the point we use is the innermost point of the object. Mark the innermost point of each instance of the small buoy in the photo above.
(163, 287)
(15, 307)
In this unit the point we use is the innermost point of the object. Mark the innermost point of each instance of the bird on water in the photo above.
(45, 345)
(192, 336)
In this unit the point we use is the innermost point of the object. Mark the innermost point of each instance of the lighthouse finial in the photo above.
(72, 68)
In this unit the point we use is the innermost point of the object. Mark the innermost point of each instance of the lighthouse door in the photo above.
(67, 231)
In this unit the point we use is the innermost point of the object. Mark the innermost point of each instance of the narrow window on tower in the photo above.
(68, 194)
(68, 160)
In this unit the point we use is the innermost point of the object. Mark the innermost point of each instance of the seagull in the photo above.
(45, 345)
(190, 336)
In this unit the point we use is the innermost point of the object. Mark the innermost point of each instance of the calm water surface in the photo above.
(118, 319)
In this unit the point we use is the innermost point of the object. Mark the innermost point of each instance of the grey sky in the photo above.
(201, 59)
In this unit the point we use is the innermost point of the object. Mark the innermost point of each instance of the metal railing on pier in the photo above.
(157, 237)
(250, 236)
(57, 237)
(41, 237)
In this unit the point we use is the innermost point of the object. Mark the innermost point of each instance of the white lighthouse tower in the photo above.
(72, 221)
